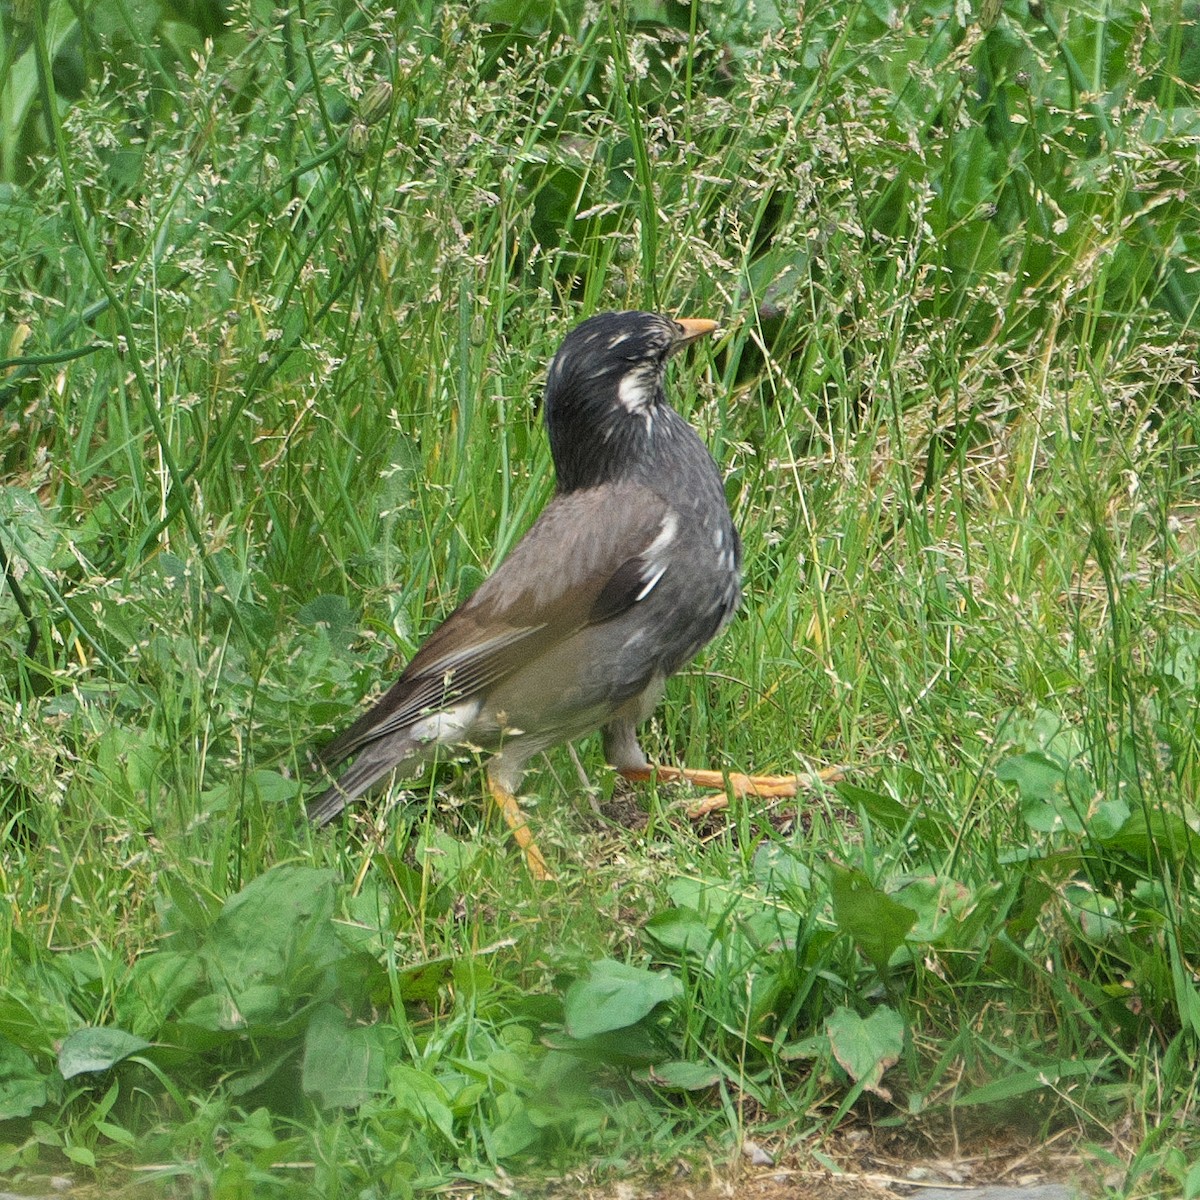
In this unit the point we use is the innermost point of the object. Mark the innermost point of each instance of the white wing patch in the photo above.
(655, 555)
(648, 586)
(666, 535)
(449, 726)
(725, 556)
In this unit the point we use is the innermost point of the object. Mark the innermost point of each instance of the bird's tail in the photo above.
(371, 765)
(327, 805)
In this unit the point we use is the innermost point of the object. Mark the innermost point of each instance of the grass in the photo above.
(275, 343)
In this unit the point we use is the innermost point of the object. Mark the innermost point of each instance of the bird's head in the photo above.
(604, 397)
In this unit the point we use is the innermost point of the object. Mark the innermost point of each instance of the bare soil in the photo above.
(854, 1165)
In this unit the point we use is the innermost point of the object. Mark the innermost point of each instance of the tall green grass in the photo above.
(275, 340)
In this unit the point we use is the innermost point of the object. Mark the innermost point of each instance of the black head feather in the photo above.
(605, 408)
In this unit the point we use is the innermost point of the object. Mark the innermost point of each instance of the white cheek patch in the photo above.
(636, 391)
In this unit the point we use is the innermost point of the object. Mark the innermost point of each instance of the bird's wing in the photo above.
(590, 556)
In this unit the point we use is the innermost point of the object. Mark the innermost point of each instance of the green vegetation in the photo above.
(271, 338)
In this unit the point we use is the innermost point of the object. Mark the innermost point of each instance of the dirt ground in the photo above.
(854, 1166)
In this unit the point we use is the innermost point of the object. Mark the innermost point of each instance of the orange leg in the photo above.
(510, 810)
(726, 782)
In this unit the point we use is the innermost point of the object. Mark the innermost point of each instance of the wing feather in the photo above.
(569, 571)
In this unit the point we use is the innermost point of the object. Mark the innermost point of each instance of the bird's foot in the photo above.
(732, 782)
(514, 818)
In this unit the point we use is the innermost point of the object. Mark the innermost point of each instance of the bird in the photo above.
(632, 567)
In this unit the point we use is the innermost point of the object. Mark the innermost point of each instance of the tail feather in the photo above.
(372, 764)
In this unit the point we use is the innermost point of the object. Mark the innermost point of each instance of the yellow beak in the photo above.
(693, 328)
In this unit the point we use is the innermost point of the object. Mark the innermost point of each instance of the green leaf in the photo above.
(96, 1048)
(271, 787)
(81, 1155)
(514, 1131)
(345, 1065)
(334, 617)
(683, 1076)
(1107, 817)
(22, 1085)
(265, 1070)
(780, 871)
(278, 930)
(873, 919)
(254, 1007)
(422, 982)
(632, 1046)
(866, 1048)
(1191, 1182)
(27, 535)
(117, 1133)
(681, 931)
(946, 909)
(449, 856)
(329, 610)
(424, 1099)
(614, 996)
(1041, 781)
(1187, 999)
(1037, 776)
(884, 810)
(22, 1024)
(1032, 1080)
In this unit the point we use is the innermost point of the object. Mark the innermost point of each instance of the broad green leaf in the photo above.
(514, 1131)
(271, 787)
(1107, 817)
(345, 1065)
(332, 611)
(615, 995)
(884, 810)
(1099, 916)
(419, 1094)
(279, 928)
(1191, 1182)
(876, 922)
(780, 870)
(865, 1048)
(22, 1085)
(117, 1133)
(682, 1076)
(28, 537)
(423, 981)
(1037, 776)
(264, 1071)
(254, 1007)
(1041, 781)
(21, 1024)
(96, 1048)
(681, 931)
(630, 1046)
(449, 856)
(941, 904)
